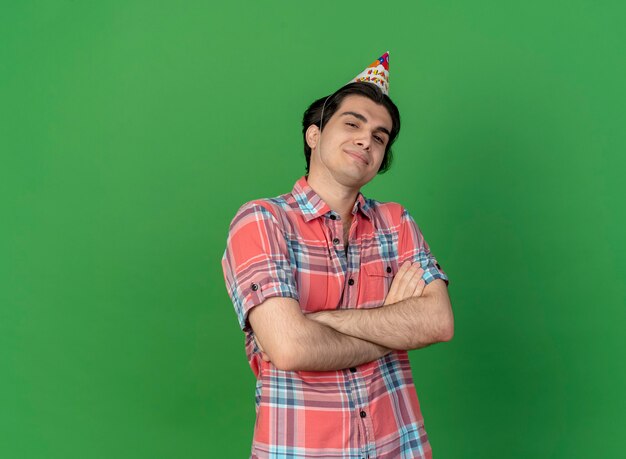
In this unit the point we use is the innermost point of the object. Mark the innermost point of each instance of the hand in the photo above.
(264, 356)
(407, 282)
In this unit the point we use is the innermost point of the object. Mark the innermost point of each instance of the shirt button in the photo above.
(388, 269)
(353, 370)
(351, 282)
(336, 241)
(363, 414)
(333, 217)
(254, 287)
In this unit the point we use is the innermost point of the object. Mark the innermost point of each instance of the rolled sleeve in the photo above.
(256, 263)
(413, 247)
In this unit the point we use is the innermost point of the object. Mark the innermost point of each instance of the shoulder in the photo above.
(389, 213)
(263, 209)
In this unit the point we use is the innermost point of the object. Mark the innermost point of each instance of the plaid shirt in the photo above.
(292, 246)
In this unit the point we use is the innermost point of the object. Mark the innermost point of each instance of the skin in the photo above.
(346, 156)
(349, 153)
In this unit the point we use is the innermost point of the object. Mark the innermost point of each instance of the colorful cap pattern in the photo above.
(377, 73)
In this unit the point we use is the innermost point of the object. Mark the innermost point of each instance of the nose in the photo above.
(362, 140)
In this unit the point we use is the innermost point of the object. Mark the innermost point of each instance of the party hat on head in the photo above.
(377, 73)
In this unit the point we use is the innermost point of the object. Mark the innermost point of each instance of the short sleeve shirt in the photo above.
(292, 246)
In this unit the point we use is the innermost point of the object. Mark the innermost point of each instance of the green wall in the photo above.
(131, 131)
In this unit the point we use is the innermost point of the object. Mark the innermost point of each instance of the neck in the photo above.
(340, 198)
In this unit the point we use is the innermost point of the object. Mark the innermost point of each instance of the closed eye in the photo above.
(381, 140)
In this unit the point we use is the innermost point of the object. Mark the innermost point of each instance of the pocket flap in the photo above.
(379, 270)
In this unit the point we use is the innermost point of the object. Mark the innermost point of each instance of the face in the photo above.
(352, 146)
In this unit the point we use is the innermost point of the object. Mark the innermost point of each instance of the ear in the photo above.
(312, 136)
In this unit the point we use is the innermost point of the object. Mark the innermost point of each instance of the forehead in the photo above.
(375, 113)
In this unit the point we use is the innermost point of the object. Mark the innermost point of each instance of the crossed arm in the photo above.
(292, 341)
(412, 317)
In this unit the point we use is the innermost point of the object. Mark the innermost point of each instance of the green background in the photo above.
(131, 132)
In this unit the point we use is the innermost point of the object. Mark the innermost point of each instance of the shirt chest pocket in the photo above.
(375, 280)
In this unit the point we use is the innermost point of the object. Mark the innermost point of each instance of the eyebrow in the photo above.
(362, 118)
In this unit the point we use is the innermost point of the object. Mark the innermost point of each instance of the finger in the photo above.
(419, 287)
(265, 357)
(397, 280)
(256, 341)
(418, 282)
(404, 269)
(406, 265)
(409, 281)
(419, 275)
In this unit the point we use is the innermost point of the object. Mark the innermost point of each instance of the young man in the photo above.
(332, 289)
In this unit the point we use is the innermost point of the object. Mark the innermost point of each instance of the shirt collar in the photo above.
(313, 206)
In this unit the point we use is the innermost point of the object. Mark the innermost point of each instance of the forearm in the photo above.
(413, 323)
(317, 347)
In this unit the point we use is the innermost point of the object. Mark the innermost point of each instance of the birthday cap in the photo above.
(377, 73)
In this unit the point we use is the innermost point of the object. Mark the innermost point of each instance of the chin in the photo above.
(353, 180)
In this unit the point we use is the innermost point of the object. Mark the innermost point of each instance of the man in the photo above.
(332, 289)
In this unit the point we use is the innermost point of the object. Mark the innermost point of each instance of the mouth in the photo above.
(360, 157)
